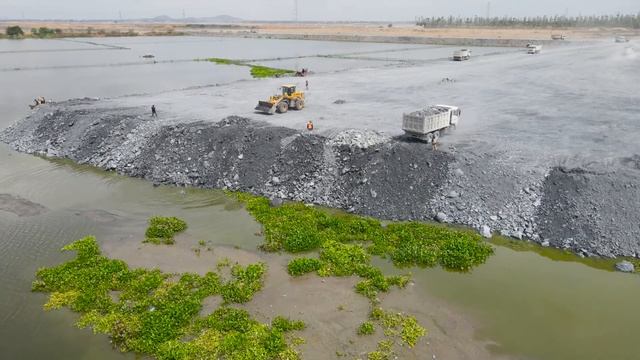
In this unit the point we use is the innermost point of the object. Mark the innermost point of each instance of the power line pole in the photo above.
(489, 10)
(295, 10)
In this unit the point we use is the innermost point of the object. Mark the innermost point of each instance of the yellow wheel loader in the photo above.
(290, 99)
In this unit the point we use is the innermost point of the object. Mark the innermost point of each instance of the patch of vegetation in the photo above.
(366, 328)
(301, 266)
(14, 32)
(285, 325)
(257, 71)
(45, 32)
(161, 229)
(246, 282)
(399, 329)
(158, 315)
(345, 245)
(347, 240)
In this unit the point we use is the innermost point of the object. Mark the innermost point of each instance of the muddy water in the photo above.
(519, 304)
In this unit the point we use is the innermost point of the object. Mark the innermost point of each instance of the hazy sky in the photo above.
(307, 9)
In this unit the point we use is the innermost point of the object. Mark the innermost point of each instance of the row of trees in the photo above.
(623, 21)
(16, 32)
(45, 32)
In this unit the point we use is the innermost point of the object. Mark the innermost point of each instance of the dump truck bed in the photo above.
(427, 120)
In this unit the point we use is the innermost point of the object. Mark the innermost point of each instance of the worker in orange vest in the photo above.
(309, 125)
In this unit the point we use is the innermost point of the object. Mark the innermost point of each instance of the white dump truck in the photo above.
(621, 39)
(459, 55)
(428, 123)
(533, 48)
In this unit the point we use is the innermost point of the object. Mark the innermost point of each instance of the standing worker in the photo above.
(309, 125)
(434, 143)
(154, 113)
(307, 84)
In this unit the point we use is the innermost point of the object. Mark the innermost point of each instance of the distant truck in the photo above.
(558, 37)
(621, 39)
(428, 123)
(460, 55)
(533, 48)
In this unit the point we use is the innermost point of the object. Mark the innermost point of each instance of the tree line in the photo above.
(631, 21)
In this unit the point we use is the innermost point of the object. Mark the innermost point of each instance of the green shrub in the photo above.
(342, 259)
(14, 31)
(245, 283)
(461, 254)
(286, 325)
(157, 315)
(301, 266)
(161, 230)
(294, 227)
(366, 328)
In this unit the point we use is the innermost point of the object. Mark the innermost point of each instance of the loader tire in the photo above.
(299, 105)
(282, 107)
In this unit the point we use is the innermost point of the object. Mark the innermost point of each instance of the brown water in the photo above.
(530, 306)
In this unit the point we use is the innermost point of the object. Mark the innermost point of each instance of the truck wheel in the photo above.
(428, 138)
(299, 105)
(436, 135)
(283, 107)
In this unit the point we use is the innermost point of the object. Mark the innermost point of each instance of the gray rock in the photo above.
(458, 172)
(453, 194)
(625, 266)
(485, 231)
(275, 180)
(442, 217)
(275, 202)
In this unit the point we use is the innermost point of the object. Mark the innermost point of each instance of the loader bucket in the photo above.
(266, 107)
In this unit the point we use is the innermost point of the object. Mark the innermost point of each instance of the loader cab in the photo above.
(288, 90)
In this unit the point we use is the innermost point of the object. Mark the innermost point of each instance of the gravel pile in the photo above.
(358, 138)
(491, 197)
(591, 213)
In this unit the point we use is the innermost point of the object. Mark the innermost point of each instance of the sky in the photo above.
(308, 10)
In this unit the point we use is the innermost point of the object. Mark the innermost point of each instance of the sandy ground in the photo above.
(331, 29)
(330, 306)
(19, 206)
(412, 30)
(96, 27)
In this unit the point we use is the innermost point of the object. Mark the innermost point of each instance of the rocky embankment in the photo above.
(359, 171)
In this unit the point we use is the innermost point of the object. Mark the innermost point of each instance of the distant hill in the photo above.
(213, 19)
